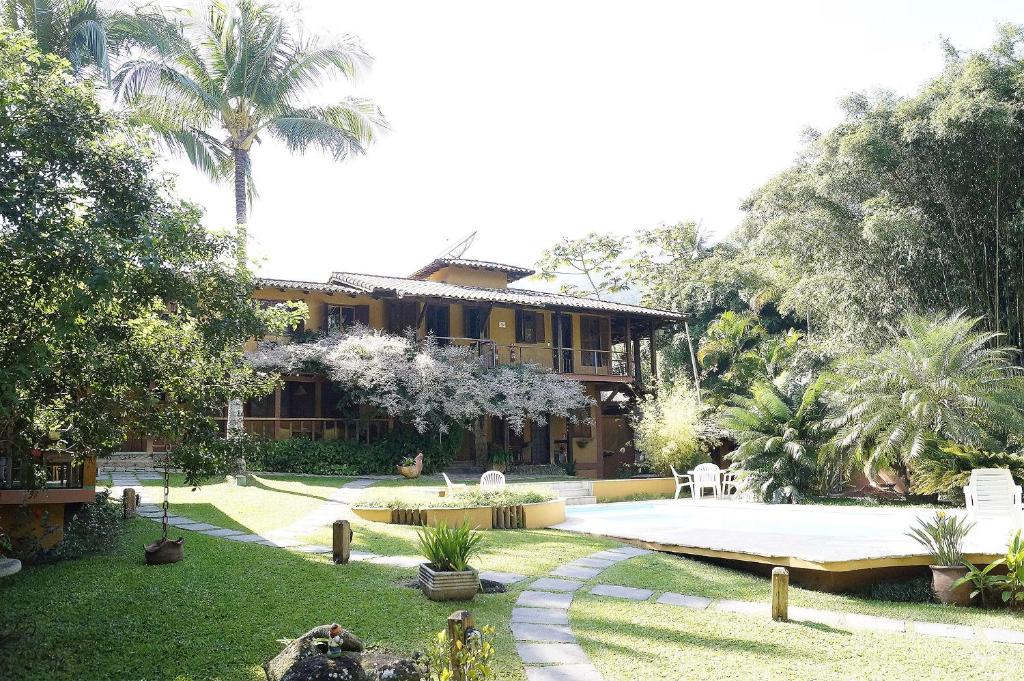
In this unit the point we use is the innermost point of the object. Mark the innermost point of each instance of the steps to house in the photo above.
(575, 493)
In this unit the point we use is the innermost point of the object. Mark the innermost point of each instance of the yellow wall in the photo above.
(317, 299)
(469, 276)
(38, 522)
(611, 490)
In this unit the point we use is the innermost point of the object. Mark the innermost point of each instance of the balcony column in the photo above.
(654, 358)
(628, 345)
(277, 409)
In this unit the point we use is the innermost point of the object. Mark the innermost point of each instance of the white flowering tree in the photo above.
(425, 384)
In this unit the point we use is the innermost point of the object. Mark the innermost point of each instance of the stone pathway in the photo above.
(540, 620)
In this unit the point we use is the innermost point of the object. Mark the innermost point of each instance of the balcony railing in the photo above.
(563, 361)
(355, 430)
(16, 473)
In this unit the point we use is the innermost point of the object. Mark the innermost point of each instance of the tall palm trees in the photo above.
(211, 84)
(73, 29)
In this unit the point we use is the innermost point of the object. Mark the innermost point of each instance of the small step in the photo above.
(574, 493)
(580, 501)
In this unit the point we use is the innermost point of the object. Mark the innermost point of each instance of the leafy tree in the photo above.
(119, 312)
(76, 30)
(780, 439)
(211, 83)
(598, 258)
(669, 432)
(946, 468)
(940, 380)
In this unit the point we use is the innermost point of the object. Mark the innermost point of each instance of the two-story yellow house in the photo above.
(599, 343)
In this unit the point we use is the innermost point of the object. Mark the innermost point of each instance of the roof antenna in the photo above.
(459, 249)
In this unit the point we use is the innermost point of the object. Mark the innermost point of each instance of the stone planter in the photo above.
(408, 471)
(943, 577)
(448, 586)
(9, 566)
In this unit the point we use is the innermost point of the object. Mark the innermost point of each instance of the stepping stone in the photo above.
(551, 653)
(540, 615)
(872, 623)
(311, 548)
(828, 617)
(695, 602)
(398, 561)
(503, 577)
(630, 551)
(361, 556)
(544, 599)
(743, 607)
(564, 672)
(550, 633)
(626, 592)
(222, 532)
(590, 561)
(549, 584)
(282, 543)
(577, 571)
(610, 556)
(199, 527)
(1005, 636)
(246, 538)
(944, 630)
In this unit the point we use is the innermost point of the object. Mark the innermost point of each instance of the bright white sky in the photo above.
(531, 120)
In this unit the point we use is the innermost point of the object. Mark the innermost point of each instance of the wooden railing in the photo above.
(356, 430)
(15, 473)
(563, 361)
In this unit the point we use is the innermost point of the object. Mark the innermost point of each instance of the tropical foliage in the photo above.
(939, 380)
(943, 536)
(780, 440)
(449, 549)
(118, 313)
(946, 468)
(668, 430)
(77, 30)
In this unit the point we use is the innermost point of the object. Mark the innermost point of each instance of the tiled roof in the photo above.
(371, 283)
(514, 273)
(308, 286)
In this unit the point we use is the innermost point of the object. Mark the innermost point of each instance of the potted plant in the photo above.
(409, 467)
(943, 536)
(447, 575)
(499, 460)
(8, 566)
(982, 579)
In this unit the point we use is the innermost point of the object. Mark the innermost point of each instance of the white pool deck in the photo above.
(834, 538)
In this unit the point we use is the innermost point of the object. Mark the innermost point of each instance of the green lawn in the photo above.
(220, 613)
(627, 640)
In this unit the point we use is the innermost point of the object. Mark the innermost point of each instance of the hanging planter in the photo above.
(164, 550)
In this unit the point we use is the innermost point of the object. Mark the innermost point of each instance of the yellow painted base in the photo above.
(612, 490)
(536, 516)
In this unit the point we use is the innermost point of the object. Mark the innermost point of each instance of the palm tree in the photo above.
(939, 381)
(212, 84)
(780, 440)
(73, 29)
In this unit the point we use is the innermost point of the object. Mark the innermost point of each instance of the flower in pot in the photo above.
(944, 536)
(409, 467)
(499, 460)
(447, 575)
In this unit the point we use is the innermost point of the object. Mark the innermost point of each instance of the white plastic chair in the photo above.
(682, 480)
(492, 480)
(730, 483)
(453, 487)
(992, 494)
(706, 476)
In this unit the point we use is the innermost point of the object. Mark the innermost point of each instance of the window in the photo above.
(529, 327)
(438, 321)
(474, 322)
(338, 317)
(260, 407)
(298, 400)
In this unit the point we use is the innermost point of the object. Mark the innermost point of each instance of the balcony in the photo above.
(16, 474)
(353, 430)
(575, 361)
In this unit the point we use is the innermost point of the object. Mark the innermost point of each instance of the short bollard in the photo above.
(780, 594)
(460, 625)
(342, 540)
(129, 503)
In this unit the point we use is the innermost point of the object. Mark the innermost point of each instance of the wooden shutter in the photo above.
(362, 315)
(540, 317)
(325, 314)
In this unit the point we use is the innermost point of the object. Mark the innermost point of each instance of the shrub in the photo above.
(343, 457)
(947, 468)
(667, 431)
(464, 499)
(916, 590)
(94, 529)
(943, 536)
(449, 549)
(472, 661)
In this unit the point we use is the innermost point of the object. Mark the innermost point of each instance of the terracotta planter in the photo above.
(408, 471)
(943, 577)
(448, 586)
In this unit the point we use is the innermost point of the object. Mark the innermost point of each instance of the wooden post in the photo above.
(129, 502)
(780, 594)
(654, 357)
(459, 624)
(342, 540)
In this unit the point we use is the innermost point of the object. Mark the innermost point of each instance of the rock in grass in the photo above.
(305, 659)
